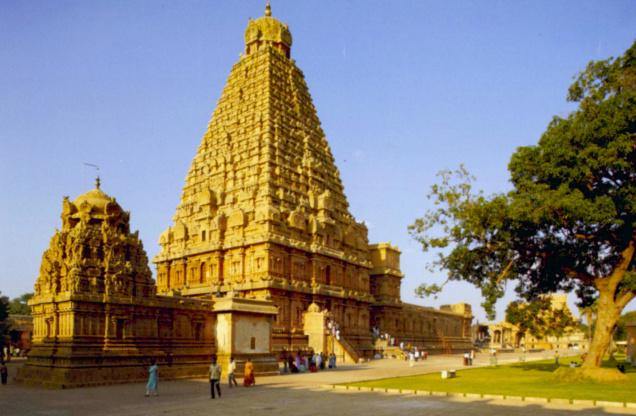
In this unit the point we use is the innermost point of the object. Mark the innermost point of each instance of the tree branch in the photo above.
(624, 298)
(505, 271)
(619, 271)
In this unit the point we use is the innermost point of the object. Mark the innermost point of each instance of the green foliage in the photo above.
(539, 318)
(4, 307)
(571, 215)
(19, 306)
(4, 322)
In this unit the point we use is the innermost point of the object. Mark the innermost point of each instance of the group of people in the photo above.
(412, 354)
(469, 356)
(214, 374)
(312, 362)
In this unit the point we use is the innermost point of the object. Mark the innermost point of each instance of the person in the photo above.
(471, 357)
(332, 360)
(298, 360)
(556, 357)
(153, 378)
(466, 358)
(322, 361)
(248, 377)
(411, 358)
(319, 364)
(284, 359)
(4, 372)
(215, 378)
(231, 378)
(291, 364)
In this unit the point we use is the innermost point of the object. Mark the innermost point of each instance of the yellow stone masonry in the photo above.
(263, 212)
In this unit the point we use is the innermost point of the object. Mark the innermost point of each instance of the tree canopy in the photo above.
(4, 321)
(539, 318)
(569, 222)
(19, 305)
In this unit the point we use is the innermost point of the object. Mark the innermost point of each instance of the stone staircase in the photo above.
(345, 353)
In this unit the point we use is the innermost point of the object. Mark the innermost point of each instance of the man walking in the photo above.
(231, 379)
(215, 378)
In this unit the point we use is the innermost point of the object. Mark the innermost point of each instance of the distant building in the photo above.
(504, 335)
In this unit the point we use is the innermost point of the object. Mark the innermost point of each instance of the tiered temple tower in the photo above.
(263, 209)
(263, 212)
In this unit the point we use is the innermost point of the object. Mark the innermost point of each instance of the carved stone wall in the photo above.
(96, 317)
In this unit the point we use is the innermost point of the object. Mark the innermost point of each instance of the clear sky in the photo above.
(403, 89)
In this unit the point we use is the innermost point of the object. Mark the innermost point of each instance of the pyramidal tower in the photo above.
(263, 212)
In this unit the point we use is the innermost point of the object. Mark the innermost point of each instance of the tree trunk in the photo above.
(606, 319)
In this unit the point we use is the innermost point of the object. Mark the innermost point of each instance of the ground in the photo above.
(297, 395)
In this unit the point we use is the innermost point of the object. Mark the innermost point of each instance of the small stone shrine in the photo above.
(96, 316)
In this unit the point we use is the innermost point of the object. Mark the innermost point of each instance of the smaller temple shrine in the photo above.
(98, 320)
(507, 336)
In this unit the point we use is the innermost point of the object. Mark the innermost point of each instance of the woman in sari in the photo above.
(248, 377)
(153, 378)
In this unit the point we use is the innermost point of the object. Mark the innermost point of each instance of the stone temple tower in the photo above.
(263, 215)
(263, 210)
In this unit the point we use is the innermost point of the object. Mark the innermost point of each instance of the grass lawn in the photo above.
(529, 379)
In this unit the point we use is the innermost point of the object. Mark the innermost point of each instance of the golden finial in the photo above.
(97, 182)
(268, 9)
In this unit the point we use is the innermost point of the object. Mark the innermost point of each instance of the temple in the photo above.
(263, 214)
(263, 254)
(98, 320)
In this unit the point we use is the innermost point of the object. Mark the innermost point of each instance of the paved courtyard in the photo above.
(298, 394)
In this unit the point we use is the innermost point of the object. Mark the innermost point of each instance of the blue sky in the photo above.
(403, 89)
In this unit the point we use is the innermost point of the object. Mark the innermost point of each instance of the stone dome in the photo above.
(267, 29)
(96, 199)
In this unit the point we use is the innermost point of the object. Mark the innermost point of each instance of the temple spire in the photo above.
(97, 182)
(268, 9)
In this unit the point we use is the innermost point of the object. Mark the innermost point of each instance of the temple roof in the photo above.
(95, 198)
(264, 170)
(268, 29)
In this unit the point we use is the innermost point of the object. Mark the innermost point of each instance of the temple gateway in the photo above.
(262, 255)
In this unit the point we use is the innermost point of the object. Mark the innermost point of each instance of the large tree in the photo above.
(569, 222)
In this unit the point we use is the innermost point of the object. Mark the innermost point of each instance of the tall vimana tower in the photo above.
(263, 212)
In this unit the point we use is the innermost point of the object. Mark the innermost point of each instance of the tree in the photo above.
(569, 222)
(20, 306)
(589, 312)
(4, 322)
(539, 318)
